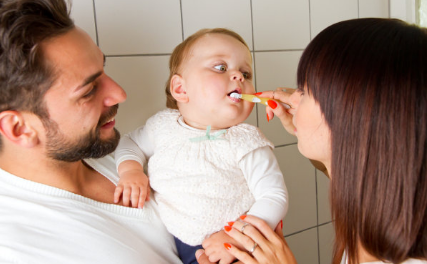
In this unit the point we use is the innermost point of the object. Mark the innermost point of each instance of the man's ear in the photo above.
(177, 89)
(13, 127)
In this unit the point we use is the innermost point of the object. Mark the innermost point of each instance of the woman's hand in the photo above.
(214, 247)
(285, 115)
(267, 246)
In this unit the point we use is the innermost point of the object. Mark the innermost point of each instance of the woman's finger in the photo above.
(279, 229)
(252, 241)
(244, 257)
(281, 109)
(276, 249)
(282, 94)
(262, 229)
(247, 236)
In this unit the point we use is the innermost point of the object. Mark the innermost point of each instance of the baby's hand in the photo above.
(133, 186)
(215, 250)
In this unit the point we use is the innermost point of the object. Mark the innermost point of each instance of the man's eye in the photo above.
(221, 67)
(91, 91)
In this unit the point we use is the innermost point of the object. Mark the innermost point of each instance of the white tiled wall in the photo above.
(137, 37)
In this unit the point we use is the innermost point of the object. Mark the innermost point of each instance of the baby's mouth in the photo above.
(234, 91)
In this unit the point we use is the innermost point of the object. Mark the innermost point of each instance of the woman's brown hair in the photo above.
(180, 53)
(369, 77)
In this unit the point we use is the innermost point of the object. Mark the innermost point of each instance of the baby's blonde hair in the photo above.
(181, 51)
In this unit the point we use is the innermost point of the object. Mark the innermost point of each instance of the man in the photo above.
(57, 108)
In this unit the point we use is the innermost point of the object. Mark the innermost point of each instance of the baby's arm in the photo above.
(133, 184)
(265, 180)
(266, 183)
(131, 153)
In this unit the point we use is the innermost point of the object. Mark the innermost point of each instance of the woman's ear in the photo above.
(177, 89)
(13, 127)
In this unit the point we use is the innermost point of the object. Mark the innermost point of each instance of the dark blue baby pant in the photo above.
(187, 253)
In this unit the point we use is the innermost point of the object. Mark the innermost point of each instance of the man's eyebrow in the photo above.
(91, 78)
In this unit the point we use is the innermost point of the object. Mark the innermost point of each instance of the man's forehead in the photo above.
(74, 56)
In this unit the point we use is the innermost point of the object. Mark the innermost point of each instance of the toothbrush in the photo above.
(256, 99)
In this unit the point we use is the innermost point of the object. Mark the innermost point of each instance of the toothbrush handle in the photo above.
(264, 102)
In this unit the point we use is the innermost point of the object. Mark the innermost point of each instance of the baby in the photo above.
(205, 166)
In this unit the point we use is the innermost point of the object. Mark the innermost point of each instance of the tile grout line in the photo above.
(168, 54)
(182, 20)
(286, 145)
(254, 62)
(309, 19)
(306, 229)
(96, 24)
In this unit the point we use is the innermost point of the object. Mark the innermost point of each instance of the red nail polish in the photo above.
(268, 118)
(281, 224)
(272, 104)
(227, 246)
(230, 223)
(256, 94)
(227, 228)
(243, 217)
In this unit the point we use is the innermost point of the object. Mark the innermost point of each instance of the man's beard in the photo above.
(87, 146)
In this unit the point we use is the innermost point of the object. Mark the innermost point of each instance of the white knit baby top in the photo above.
(196, 177)
(199, 185)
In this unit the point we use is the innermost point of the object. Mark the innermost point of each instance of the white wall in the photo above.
(137, 37)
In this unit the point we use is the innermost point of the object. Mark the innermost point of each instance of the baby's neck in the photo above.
(200, 126)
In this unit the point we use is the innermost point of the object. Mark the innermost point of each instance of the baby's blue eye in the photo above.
(221, 67)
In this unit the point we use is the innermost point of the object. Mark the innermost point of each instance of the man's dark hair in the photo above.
(24, 74)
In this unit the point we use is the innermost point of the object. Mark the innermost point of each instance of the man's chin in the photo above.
(103, 147)
(87, 148)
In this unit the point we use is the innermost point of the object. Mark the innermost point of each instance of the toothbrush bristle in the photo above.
(235, 95)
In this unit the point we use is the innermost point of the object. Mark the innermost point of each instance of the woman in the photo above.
(361, 110)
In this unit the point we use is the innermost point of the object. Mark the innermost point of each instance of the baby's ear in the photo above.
(15, 128)
(177, 89)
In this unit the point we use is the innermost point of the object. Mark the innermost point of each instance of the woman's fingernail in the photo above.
(281, 224)
(257, 93)
(272, 104)
(243, 217)
(227, 228)
(227, 246)
(268, 118)
(230, 223)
